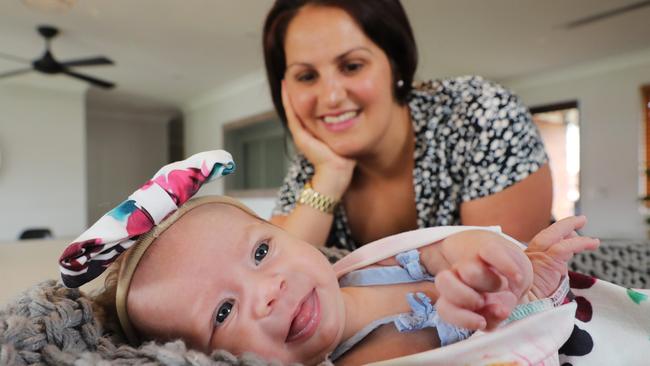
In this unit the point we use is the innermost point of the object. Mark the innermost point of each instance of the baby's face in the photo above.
(221, 279)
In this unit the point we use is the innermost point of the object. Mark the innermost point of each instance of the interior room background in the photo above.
(190, 73)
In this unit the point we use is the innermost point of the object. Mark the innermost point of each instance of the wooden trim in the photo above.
(249, 120)
(645, 107)
(554, 107)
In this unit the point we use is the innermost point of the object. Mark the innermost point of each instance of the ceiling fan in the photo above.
(607, 14)
(47, 64)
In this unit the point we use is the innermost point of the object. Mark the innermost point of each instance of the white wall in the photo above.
(610, 104)
(126, 146)
(42, 173)
(204, 119)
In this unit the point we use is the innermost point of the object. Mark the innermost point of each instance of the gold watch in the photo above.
(317, 200)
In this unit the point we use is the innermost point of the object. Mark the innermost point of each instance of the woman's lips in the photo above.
(341, 122)
(306, 320)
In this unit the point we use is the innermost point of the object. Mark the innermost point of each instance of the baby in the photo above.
(215, 275)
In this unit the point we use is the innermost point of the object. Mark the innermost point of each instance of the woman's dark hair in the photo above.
(383, 21)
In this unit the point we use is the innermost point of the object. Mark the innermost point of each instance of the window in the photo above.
(258, 148)
(560, 129)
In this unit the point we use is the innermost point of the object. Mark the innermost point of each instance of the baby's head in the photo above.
(219, 277)
(208, 271)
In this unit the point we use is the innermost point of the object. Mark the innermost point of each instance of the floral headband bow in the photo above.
(99, 246)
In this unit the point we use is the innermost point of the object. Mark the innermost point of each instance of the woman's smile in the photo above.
(341, 121)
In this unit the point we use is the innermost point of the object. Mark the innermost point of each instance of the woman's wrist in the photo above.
(331, 183)
(317, 200)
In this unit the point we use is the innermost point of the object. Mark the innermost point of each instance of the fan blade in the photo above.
(607, 14)
(15, 58)
(90, 79)
(91, 61)
(16, 72)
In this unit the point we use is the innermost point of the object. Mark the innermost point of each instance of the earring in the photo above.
(400, 83)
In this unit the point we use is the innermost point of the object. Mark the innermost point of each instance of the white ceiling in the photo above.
(172, 51)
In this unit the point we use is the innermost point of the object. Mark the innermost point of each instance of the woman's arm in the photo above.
(332, 176)
(506, 177)
(306, 222)
(522, 210)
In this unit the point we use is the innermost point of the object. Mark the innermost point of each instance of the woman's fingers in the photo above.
(293, 122)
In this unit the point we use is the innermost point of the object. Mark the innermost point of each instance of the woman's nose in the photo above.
(333, 91)
(269, 291)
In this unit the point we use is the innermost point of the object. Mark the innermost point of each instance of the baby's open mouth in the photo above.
(306, 320)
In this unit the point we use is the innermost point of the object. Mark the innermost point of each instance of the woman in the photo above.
(379, 157)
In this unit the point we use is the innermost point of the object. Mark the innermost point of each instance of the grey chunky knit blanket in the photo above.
(53, 325)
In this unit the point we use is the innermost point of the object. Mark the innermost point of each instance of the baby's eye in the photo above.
(223, 312)
(260, 252)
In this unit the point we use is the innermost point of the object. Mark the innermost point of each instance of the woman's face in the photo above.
(221, 279)
(339, 82)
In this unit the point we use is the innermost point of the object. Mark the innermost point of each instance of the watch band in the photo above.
(319, 201)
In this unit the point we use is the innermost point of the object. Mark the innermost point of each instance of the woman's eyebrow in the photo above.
(346, 53)
(338, 57)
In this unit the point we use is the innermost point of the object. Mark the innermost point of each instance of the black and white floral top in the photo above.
(473, 138)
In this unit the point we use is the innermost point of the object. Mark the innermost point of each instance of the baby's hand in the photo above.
(551, 250)
(481, 291)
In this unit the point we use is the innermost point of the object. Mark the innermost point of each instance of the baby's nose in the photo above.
(270, 292)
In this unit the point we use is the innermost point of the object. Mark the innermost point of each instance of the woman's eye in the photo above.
(352, 67)
(223, 312)
(306, 77)
(260, 252)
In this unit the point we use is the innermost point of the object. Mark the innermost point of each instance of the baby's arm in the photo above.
(480, 277)
(551, 250)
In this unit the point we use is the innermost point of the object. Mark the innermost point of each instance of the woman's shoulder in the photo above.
(459, 89)
(464, 100)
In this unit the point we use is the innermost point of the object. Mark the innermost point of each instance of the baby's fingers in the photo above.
(498, 307)
(505, 262)
(477, 275)
(460, 294)
(458, 316)
(565, 228)
(564, 250)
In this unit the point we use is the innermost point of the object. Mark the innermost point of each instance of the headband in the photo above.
(132, 257)
(93, 251)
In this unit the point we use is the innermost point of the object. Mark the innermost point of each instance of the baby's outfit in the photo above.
(423, 313)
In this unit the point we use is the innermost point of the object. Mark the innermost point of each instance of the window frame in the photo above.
(240, 124)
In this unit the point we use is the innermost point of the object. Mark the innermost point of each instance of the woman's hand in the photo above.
(486, 275)
(551, 250)
(333, 173)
